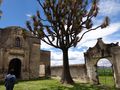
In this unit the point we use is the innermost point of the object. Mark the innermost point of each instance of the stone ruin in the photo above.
(23, 54)
(101, 50)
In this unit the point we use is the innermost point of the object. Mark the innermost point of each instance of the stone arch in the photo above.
(105, 64)
(15, 64)
(101, 50)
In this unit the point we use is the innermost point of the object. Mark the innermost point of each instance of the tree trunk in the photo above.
(66, 77)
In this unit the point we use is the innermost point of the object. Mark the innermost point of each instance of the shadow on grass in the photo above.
(79, 86)
(90, 87)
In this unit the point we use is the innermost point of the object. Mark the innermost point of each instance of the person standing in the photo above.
(10, 80)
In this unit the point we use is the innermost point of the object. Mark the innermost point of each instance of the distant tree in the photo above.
(61, 22)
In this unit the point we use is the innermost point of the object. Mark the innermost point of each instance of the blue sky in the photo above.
(17, 12)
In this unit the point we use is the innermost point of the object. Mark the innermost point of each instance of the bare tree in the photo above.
(61, 22)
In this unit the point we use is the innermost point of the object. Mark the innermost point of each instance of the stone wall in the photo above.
(77, 72)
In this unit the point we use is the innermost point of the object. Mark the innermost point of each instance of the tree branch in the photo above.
(88, 31)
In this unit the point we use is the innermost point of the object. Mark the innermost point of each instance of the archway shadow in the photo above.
(15, 64)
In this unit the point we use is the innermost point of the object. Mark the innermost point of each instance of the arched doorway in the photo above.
(105, 72)
(15, 64)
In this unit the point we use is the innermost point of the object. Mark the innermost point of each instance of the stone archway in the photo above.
(15, 64)
(105, 72)
(101, 50)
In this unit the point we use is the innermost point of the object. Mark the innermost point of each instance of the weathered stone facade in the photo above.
(99, 51)
(21, 53)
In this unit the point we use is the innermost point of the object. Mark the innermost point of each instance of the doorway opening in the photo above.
(105, 72)
(15, 64)
(42, 70)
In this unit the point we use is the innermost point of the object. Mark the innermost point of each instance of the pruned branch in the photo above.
(87, 32)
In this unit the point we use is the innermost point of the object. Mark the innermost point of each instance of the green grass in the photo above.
(105, 71)
(106, 76)
(107, 80)
(53, 84)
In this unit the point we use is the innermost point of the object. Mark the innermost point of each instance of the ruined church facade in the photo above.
(22, 54)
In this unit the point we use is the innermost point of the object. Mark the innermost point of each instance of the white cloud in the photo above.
(74, 57)
(111, 40)
(56, 55)
(109, 7)
(29, 15)
(89, 43)
(93, 35)
(45, 46)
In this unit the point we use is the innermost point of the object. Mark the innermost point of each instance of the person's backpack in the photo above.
(10, 80)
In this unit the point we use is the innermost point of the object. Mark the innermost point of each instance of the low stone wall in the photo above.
(77, 72)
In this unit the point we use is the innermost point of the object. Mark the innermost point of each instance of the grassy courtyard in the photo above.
(53, 84)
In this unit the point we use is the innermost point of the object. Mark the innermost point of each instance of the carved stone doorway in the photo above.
(15, 64)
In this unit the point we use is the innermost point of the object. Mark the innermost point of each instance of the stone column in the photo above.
(116, 65)
(91, 72)
(34, 61)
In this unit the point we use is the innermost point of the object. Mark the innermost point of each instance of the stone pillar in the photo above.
(34, 61)
(92, 74)
(116, 65)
